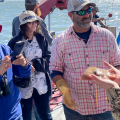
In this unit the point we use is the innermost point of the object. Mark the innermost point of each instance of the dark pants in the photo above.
(36, 113)
(42, 105)
(20, 118)
(73, 115)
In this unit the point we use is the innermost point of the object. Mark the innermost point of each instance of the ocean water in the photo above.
(59, 18)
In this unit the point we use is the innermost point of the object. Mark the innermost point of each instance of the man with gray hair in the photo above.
(81, 46)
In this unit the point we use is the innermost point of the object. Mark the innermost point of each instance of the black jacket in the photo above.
(40, 64)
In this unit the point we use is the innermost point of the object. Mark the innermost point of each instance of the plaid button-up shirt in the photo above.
(71, 56)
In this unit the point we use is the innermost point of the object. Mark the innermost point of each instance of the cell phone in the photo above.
(18, 49)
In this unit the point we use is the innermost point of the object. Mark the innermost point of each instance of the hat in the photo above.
(77, 5)
(31, 2)
(96, 9)
(27, 16)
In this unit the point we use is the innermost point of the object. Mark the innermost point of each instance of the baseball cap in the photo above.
(96, 9)
(31, 2)
(77, 5)
(27, 16)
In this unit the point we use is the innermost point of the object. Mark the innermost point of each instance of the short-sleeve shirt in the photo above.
(71, 56)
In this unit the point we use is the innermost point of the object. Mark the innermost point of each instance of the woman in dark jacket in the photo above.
(37, 53)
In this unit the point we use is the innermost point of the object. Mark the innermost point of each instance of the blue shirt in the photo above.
(10, 108)
(96, 16)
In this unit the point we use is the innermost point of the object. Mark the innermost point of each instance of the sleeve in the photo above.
(42, 64)
(43, 24)
(54, 73)
(57, 55)
(113, 96)
(46, 33)
(96, 16)
(11, 44)
(21, 72)
(18, 70)
(114, 51)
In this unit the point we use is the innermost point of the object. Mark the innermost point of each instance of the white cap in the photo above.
(27, 16)
(77, 5)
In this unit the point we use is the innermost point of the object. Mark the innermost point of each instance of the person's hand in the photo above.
(32, 67)
(20, 60)
(5, 64)
(113, 70)
(104, 82)
(102, 18)
(67, 97)
(68, 100)
(106, 26)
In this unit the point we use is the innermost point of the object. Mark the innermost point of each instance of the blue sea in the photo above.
(59, 18)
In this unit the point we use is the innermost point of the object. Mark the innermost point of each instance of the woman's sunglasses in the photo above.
(83, 12)
(32, 22)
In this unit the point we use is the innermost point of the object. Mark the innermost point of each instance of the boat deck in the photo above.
(57, 113)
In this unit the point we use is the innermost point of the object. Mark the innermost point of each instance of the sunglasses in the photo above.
(32, 22)
(83, 12)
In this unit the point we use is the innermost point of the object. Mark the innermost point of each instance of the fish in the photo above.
(102, 73)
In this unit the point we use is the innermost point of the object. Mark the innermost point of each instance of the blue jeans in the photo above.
(42, 105)
(73, 115)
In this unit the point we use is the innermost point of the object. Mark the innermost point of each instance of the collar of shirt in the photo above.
(93, 29)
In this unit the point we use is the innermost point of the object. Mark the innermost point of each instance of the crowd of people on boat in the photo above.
(27, 79)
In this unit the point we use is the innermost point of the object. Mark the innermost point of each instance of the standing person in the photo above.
(36, 52)
(33, 6)
(82, 45)
(10, 108)
(96, 18)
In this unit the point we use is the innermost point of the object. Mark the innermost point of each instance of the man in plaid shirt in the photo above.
(81, 46)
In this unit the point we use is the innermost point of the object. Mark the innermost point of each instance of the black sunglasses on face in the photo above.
(32, 22)
(83, 12)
